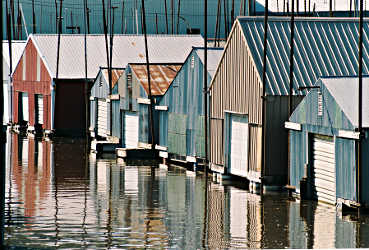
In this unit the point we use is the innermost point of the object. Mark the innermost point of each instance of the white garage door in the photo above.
(131, 130)
(25, 113)
(239, 146)
(324, 184)
(40, 109)
(102, 118)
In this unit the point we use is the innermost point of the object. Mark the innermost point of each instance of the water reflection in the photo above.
(57, 197)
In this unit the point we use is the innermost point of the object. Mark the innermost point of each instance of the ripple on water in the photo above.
(65, 200)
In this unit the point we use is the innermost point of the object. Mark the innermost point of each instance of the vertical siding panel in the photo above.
(26, 79)
(31, 108)
(15, 106)
(237, 88)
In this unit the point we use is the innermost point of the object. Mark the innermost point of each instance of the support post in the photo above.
(152, 130)
(360, 104)
(206, 83)
(263, 96)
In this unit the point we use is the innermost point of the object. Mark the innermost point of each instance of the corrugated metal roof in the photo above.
(214, 55)
(116, 74)
(161, 77)
(323, 47)
(17, 50)
(168, 49)
(345, 90)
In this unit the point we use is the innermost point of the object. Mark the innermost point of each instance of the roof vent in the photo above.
(320, 104)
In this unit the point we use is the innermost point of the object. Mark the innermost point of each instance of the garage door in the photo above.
(324, 174)
(40, 109)
(25, 113)
(102, 118)
(239, 146)
(131, 130)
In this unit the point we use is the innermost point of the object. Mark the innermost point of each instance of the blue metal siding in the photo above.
(116, 118)
(323, 47)
(345, 169)
(184, 99)
(163, 129)
(298, 156)
(332, 120)
(100, 88)
(144, 122)
(93, 114)
(333, 117)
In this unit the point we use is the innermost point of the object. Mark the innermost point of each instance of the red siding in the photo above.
(31, 86)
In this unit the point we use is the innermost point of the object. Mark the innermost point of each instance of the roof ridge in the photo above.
(301, 18)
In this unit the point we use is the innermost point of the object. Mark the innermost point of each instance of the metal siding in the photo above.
(333, 117)
(217, 143)
(144, 134)
(346, 168)
(93, 113)
(276, 136)
(100, 88)
(185, 97)
(163, 128)
(31, 85)
(116, 118)
(298, 156)
(255, 148)
(236, 87)
(177, 134)
(323, 47)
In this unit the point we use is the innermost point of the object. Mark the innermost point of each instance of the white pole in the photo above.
(24, 20)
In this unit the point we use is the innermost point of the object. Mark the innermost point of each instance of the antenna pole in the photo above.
(148, 77)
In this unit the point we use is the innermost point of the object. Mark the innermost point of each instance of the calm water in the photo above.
(56, 197)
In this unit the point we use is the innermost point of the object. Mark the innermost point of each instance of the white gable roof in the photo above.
(126, 49)
(17, 50)
(345, 90)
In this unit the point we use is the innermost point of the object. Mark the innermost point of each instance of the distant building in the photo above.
(324, 138)
(313, 5)
(41, 101)
(135, 102)
(100, 100)
(179, 17)
(17, 50)
(323, 47)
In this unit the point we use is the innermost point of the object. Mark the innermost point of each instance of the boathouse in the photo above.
(135, 102)
(181, 110)
(323, 47)
(58, 105)
(323, 139)
(101, 103)
(17, 50)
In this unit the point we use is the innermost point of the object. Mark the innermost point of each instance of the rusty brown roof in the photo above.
(116, 74)
(161, 76)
